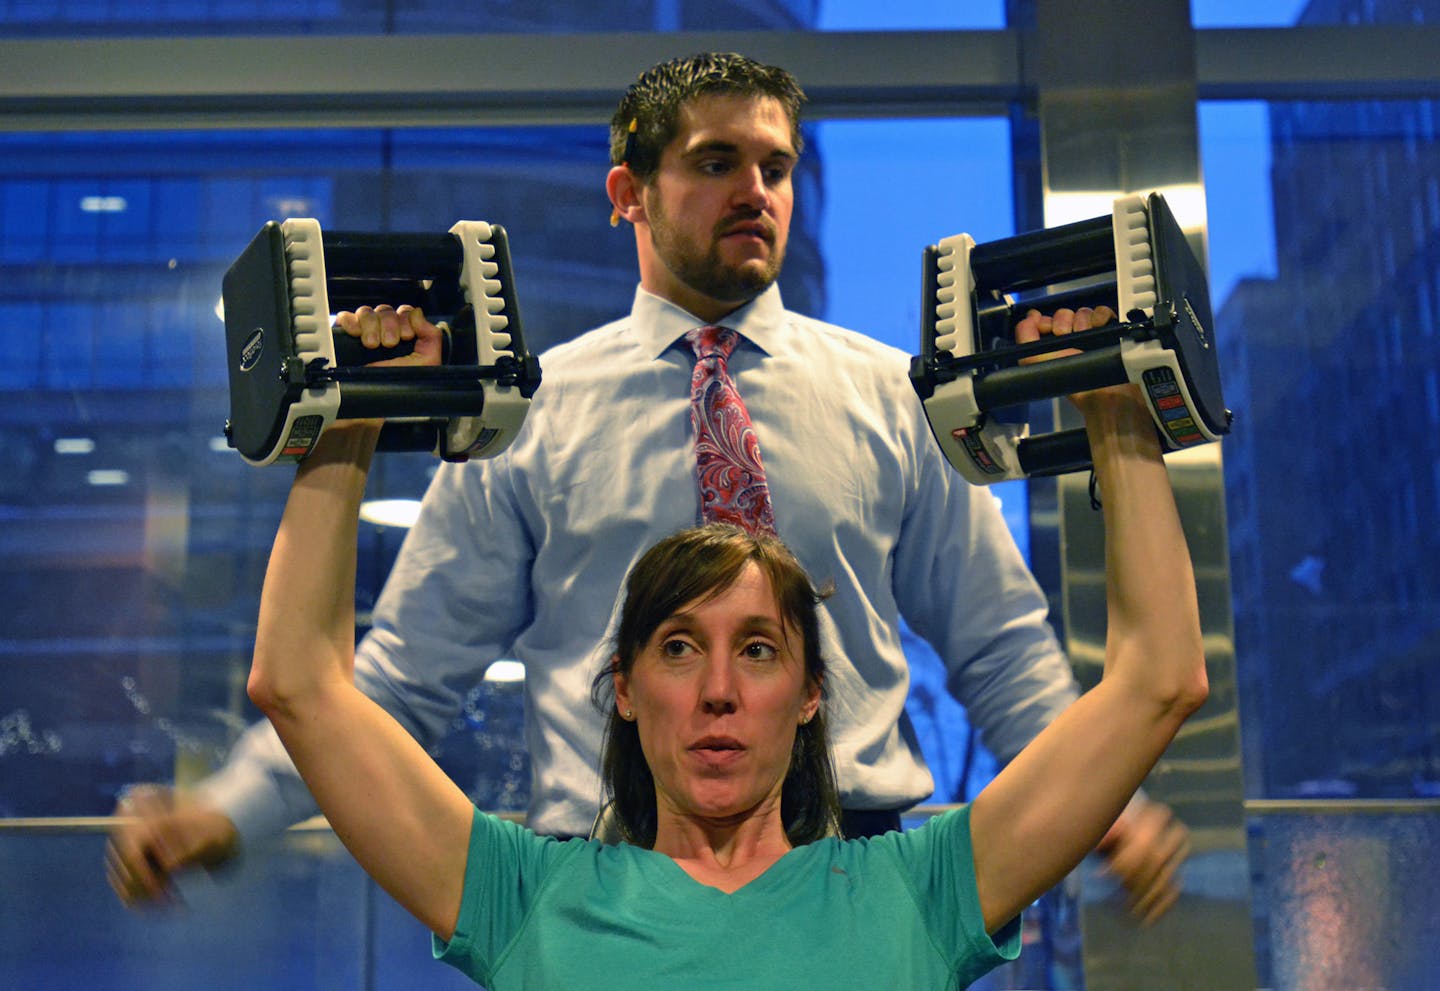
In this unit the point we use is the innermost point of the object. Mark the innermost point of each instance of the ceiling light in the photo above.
(103, 204)
(390, 512)
(505, 671)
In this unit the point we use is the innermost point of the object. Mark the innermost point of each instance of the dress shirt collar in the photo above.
(659, 323)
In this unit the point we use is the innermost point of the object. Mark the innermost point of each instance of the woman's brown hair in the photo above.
(692, 565)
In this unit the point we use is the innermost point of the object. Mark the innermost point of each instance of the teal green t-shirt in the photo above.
(899, 910)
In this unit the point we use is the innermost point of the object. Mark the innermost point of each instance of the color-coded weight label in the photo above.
(303, 435)
(975, 447)
(1175, 413)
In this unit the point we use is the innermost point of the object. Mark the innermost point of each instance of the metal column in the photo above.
(1115, 82)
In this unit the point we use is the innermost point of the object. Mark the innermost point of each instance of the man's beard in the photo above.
(704, 271)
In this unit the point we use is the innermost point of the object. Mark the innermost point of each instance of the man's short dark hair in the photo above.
(654, 101)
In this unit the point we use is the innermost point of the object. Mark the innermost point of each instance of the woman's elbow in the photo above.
(271, 693)
(1172, 679)
(262, 690)
(1192, 690)
(295, 681)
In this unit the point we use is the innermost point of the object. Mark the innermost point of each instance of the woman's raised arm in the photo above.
(1046, 810)
(405, 822)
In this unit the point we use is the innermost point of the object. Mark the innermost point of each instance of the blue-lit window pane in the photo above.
(1245, 13)
(58, 18)
(1329, 348)
(64, 17)
(21, 322)
(894, 187)
(67, 349)
(917, 15)
(1284, 13)
(24, 220)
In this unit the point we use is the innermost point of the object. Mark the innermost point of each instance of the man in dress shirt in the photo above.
(522, 556)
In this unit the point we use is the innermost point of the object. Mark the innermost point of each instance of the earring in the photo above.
(628, 715)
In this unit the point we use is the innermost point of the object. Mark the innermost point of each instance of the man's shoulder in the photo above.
(595, 355)
(584, 345)
(842, 344)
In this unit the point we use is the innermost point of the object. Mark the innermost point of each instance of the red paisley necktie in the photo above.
(727, 453)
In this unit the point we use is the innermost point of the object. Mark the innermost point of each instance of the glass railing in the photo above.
(1343, 897)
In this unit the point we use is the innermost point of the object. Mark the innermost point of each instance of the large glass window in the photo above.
(1325, 248)
(132, 540)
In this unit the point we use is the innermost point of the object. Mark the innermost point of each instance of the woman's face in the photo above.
(717, 693)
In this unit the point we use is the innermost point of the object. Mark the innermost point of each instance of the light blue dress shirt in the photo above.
(523, 556)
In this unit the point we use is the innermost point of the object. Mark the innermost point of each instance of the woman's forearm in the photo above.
(1153, 642)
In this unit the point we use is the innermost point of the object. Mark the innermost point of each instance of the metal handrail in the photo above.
(1254, 806)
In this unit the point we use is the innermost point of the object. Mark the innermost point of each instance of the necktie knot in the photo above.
(712, 342)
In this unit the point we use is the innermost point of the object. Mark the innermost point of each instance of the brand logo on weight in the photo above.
(1195, 322)
(254, 347)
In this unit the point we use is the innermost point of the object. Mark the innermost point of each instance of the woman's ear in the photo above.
(811, 704)
(622, 689)
(624, 192)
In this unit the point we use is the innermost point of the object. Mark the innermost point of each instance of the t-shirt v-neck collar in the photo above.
(668, 869)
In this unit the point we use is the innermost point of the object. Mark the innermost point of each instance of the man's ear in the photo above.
(624, 191)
